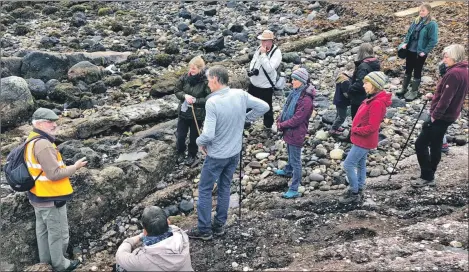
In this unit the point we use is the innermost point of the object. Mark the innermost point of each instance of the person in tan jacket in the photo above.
(51, 191)
(161, 247)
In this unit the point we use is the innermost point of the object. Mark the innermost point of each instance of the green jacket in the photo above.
(428, 36)
(196, 86)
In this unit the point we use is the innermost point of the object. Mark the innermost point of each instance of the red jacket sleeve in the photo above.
(376, 115)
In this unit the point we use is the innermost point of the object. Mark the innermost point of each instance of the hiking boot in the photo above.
(414, 92)
(194, 233)
(73, 265)
(445, 148)
(290, 194)
(420, 182)
(217, 229)
(189, 160)
(349, 197)
(405, 85)
(180, 158)
(281, 172)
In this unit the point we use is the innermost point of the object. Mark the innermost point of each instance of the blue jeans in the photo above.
(294, 166)
(213, 170)
(356, 158)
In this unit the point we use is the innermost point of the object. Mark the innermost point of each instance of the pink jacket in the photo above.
(171, 254)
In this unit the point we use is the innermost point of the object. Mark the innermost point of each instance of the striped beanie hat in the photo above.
(301, 75)
(377, 79)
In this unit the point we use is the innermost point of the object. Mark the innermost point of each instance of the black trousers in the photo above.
(183, 127)
(353, 110)
(414, 63)
(431, 135)
(265, 95)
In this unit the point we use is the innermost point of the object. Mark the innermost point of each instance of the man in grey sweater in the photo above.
(221, 140)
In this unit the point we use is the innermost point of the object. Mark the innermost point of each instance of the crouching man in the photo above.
(161, 247)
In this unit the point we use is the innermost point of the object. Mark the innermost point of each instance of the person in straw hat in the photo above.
(263, 72)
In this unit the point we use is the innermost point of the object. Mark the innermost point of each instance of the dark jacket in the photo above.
(365, 125)
(362, 68)
(342, 87)
(295, 128)
(428, 36)
(196, 86)
(450, 93)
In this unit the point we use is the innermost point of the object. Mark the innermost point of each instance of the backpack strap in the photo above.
(27, 142)
(271, 53)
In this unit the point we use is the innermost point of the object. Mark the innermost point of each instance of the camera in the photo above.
(253, 72)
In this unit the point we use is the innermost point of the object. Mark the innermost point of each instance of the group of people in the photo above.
(207, 100)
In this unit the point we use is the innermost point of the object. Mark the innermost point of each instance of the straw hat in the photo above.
(266, 35)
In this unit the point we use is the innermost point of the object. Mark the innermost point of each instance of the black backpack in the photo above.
(16, 170)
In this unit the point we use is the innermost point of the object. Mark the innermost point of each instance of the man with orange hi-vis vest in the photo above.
(51, 191)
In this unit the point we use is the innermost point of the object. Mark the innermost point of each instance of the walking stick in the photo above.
(408, 138)
(240, 176)
(195, 120)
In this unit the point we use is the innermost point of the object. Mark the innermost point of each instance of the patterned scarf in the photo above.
(151, 240)
(289, 107)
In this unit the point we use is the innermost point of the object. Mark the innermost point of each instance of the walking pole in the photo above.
(195, 120)
(240, 176)
(408, 138)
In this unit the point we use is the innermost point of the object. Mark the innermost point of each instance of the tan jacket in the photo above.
(171, 254)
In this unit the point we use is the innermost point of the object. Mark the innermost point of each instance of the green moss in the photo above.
(81, 8)
(122, 12)
(116, 26)
(104, 11)
(89, 142)
(134, 84)
(163, 59)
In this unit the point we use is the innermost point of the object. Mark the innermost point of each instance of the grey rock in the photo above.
(210, 12)
(291, 30)
(242, 37)
(171, 210)
(460, 140)
(325, 188)
(185, 14)
(291, 57)
(200, 25)
(186, 206)
(329, 117)
(315, 177)
(397, 103)
(44, 65)
(334, 17)
(183, 27)
(16, 101)
(37, 88)
(215, 45)
(85, 71)
(236, 28)
(312, 16)
(369, 36)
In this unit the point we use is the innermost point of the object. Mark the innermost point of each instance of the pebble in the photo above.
(234, 264)
(455, 244)
(262, 155)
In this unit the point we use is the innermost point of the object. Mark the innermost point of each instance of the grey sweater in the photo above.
(224, 121)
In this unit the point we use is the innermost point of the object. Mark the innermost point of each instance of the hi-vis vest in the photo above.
(43, 186)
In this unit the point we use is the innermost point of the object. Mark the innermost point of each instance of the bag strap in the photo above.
(27, 142)
(265, 72)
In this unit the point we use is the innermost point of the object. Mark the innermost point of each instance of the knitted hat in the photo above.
(301, 75)
(377, 79)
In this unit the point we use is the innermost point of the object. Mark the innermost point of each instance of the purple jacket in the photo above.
(295, 129)
(449, 97)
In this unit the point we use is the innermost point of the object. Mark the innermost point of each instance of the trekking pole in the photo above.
(240, 176)
(195, 120)
(408, 138)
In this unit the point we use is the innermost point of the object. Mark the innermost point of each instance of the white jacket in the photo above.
(270, 66)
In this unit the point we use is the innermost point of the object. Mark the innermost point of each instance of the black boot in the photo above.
(405, 85)
(180, 158)
(414, 93)
(189, 160)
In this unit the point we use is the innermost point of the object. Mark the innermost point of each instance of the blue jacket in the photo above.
(341, 87)
(428, 36)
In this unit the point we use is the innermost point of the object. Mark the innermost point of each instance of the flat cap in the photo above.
(45, 114)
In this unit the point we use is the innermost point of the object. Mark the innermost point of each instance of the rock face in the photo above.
(98, 196)
(16, 101)
(85, 71)
(44, 65)
(100, 122)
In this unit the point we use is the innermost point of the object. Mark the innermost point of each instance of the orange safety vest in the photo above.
(45, 187)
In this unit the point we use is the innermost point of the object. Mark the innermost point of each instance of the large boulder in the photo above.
(85, 71)
(44, 65)
(16, 101)
(215, 45)
(99, 194)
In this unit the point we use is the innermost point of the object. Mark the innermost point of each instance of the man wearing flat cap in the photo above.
(51, 191)
(263, 72)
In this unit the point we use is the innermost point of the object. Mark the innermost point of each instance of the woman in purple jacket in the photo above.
(293, 121)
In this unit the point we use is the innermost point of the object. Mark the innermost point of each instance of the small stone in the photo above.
(234, 264)
(262, 155)
(301, 189)
(255, 164)
(325, 188)
(315, 177)
(281, 164)
(337, 154)
(265, 174)
(94, 268)
(375, 172)
(455, 244)
(321, 135)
